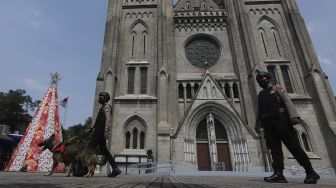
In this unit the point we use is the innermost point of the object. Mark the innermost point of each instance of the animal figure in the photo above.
(91, 159)
(71, 152)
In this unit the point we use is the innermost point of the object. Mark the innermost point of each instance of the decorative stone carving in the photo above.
(202, 52)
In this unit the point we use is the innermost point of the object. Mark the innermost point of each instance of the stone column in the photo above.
(212, 140)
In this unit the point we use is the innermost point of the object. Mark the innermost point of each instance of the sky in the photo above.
(39, 37)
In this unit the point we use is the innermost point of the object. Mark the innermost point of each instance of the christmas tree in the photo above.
(44, 123)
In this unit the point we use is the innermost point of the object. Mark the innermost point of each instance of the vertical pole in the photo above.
(65, 113)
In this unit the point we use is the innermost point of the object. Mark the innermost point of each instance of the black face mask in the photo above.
(263, 83)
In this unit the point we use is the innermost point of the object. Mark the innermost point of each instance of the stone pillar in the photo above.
(163, 126)
(212, 140)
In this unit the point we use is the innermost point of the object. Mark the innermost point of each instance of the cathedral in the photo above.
(181, 75)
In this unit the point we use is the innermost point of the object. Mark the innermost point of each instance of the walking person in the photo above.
(277, 116)
(102, 129)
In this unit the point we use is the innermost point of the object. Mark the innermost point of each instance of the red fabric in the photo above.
(59, 149)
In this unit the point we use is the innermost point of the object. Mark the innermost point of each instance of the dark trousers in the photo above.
(101, 143)
(279, 130)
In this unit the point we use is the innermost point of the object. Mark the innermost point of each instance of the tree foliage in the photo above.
(14, 109)
(78, 130)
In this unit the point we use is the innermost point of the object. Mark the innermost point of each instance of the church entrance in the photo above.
(213, 151)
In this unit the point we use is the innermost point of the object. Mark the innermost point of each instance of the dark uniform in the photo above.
(275, 119)
(102, 129)
(276, 116)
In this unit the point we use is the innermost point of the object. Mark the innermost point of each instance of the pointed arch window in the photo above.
(271, 70)
(139, 32)
(132, 54)
(135, 138)
(276, 39)
(286, 77)
(202, 132)
(269, 33)
(221, 134)
(235, 90)
(188, 87)
(227, 90)
(142, 140)
(196, 86)
(144, 45)
(128, 140)
(264, 40)
(180, 91)
(135, 133)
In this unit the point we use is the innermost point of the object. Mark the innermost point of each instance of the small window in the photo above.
(128, 140)
(202, 131)
(142, 140)
(143, 82)
(227, 90)
(196, 86)
(180, 91)
(188, 91)
(235, 91)
(135, 138)
(271, 70)
(131, 77)
(286, 77)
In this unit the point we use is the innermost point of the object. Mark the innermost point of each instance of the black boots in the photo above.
(277, 177)
(115, 172)
(311, 178)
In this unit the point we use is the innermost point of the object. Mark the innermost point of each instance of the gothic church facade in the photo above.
(181, 76)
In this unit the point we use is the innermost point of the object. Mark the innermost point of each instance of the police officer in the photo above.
(102, 129)
(276, 116)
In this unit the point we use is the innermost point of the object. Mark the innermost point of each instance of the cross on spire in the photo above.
(55, 78)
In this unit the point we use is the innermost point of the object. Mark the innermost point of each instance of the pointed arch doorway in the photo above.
(212, 145)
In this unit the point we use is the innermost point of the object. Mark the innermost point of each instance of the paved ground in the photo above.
(37, 180)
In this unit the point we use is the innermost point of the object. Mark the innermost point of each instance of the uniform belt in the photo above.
(269, 114)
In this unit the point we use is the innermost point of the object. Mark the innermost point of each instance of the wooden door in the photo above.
(223, 153)
(203, 157)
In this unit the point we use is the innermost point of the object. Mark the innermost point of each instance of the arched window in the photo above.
(132, 46)
(188, 91)
(221, 134)
(286, 77)
(135, 138)
(142, 140)
(303, 136)
(271, 70)
(235, 91)
(144, 45)
(180, 91)
(196, 86)
(227, 90)
(220, 85)
(128, 140)
(305, 142)
(202, 132)
(269, 33)
(135, 133)
(263, 37)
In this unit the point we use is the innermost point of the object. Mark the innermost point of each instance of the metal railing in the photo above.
(219, 166)
(152, 167)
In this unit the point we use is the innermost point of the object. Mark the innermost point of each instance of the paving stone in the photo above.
(37, 180)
